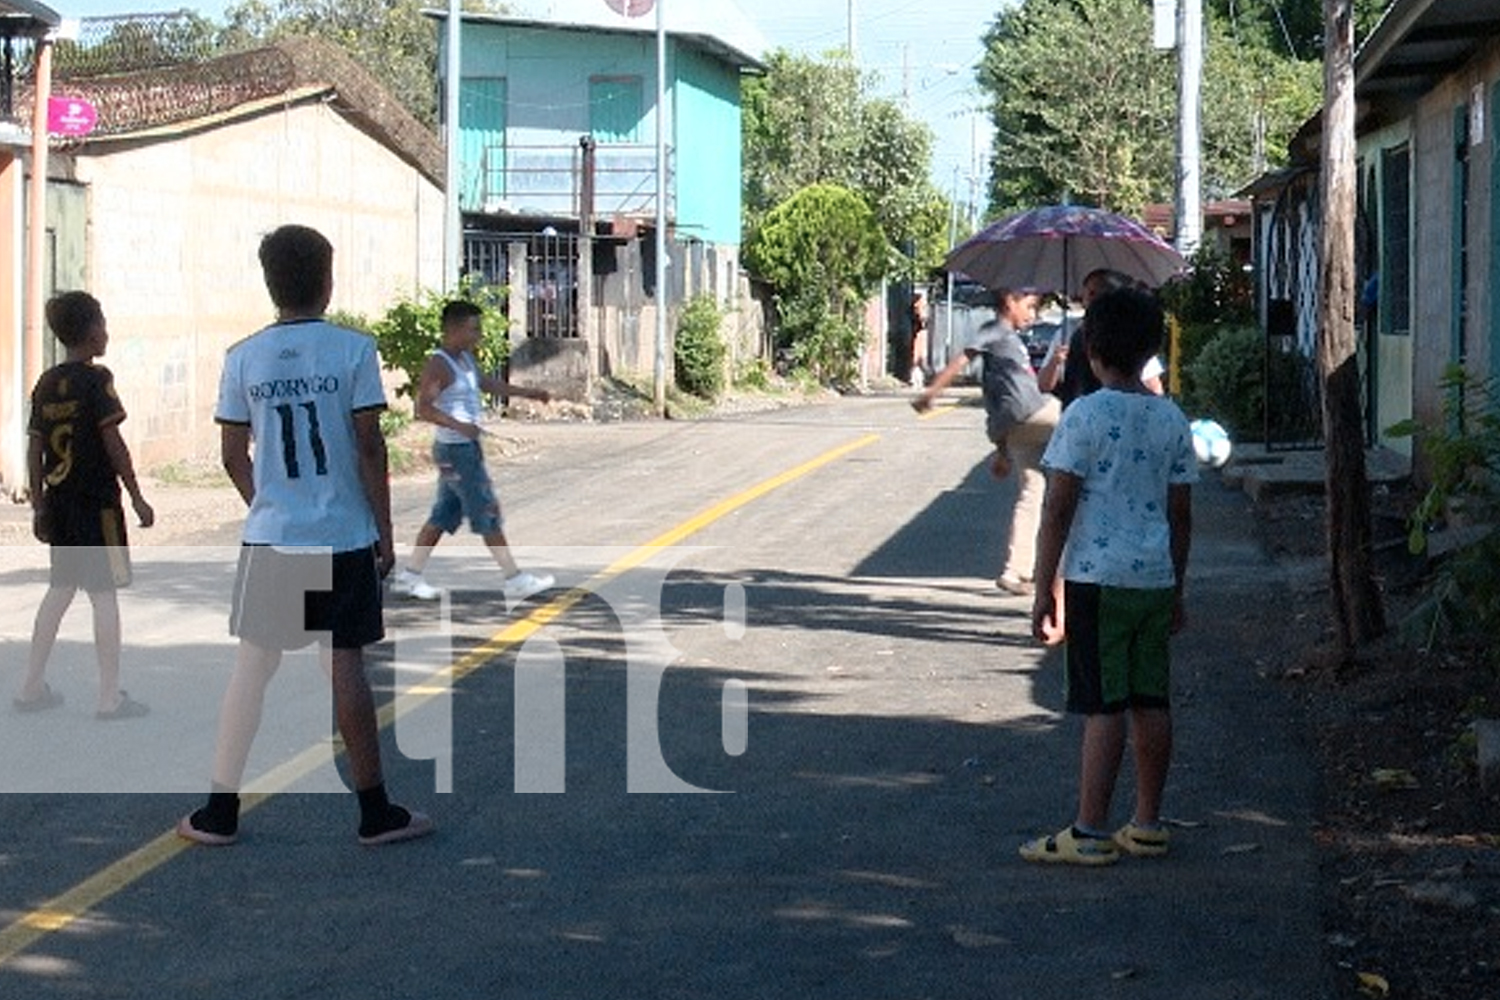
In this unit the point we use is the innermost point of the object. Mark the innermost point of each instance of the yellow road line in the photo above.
(62, 911)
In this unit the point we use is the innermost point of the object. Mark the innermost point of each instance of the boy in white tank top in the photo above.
(449, 396)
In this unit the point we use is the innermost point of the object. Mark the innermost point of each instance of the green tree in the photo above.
(412, 328)
(1085, 107)
(1254, 101)
(823, 253)
(390, 38)
(1290, 29)
(1079, 109)
(814, 121)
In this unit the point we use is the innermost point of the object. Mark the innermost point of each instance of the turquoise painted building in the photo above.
(535, 85)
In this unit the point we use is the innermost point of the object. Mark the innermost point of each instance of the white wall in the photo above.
(174, 229)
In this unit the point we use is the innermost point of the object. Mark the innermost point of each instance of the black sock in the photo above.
(221, 815)
(377, 814)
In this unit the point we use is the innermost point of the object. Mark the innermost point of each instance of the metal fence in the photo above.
(551, 275)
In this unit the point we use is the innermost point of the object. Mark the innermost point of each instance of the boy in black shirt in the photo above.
(75, 463)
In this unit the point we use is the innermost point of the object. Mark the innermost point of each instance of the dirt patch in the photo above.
(1408, 837)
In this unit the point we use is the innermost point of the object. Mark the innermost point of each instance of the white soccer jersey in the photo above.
(298, 385)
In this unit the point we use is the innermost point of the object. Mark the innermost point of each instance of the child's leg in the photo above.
(354, 708)
(500, 550)
(239, 714)
(427, 538)
(381, 821)
(1027, 442)
(1103, 749)
(106, 605)
(1153, 756)
(49, 615)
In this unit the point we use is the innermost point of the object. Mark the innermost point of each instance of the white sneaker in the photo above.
(524, 585)
(410, 584)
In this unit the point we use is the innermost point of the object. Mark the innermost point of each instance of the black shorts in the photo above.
(288, 598)
(89, 547)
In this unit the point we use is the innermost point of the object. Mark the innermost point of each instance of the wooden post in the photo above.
(1359, 615)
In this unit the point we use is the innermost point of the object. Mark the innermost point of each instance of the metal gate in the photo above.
(551, 275)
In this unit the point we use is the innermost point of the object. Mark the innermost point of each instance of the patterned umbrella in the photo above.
(1055, 247)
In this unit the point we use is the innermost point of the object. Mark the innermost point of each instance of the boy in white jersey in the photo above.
(307, 394)
(450, 395)
(1117, 520)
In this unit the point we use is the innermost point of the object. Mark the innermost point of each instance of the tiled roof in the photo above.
(174, 100)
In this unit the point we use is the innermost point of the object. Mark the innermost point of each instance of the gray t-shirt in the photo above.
(1011, 394)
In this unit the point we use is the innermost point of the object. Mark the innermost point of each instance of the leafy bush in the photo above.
(1227, 382)
(1463, 456)
(698, 351)
(753, 373)
(818, 342)
(1215, 295)
(823, 251)
(412, 329)
(1462, 452)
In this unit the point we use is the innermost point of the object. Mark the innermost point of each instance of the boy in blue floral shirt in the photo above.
(1117, 524)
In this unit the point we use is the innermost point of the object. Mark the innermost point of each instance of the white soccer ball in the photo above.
(1211, 443)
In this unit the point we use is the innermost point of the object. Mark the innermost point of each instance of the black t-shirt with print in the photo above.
(69, 406)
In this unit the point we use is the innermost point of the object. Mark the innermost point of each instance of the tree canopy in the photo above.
(815, 121)
(1290, 29)
(1077, 111)
(822, 237)
(390, 38)
(1085, 108)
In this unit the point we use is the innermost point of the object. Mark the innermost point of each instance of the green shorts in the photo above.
(1117, 652)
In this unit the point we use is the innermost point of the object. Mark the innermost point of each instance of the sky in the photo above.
(923, 51)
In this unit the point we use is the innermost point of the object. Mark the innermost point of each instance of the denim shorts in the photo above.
(463, 490)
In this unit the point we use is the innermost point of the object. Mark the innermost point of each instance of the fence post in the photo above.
(517, 282)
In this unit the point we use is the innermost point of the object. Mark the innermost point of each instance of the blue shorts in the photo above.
(464, 490)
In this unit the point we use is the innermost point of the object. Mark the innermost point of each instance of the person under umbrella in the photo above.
(1065, 369)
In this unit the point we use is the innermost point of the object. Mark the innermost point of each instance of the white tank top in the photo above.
(461, 399)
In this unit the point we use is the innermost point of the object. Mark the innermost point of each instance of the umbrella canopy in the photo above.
(1055, 247)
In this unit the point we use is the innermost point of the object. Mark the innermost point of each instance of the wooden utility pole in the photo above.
(1358, 612)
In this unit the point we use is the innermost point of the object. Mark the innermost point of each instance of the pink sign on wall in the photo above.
(70, 116)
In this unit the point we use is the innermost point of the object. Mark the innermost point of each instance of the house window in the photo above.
(481, 136)
(615, 109)
(1395, 256)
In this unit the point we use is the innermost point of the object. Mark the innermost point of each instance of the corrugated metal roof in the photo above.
(159, 103)
(1416, 44)
(717, 26)
(26, 19)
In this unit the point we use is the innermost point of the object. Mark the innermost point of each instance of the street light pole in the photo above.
(659, 369)
(1189, 125)
(453, 235)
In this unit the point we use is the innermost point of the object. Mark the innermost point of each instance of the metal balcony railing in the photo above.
(550, 180)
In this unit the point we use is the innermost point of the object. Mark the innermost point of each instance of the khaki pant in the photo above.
(1025, 443)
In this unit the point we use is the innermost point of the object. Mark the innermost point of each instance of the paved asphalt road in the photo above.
(832, 565)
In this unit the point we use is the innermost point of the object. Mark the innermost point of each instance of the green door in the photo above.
(481, 141)
(615, 109)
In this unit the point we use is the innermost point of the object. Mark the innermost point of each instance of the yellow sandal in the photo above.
(1067, 848)
(1142, 842)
